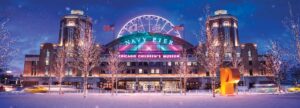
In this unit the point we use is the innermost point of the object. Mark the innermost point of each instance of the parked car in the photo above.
(294, 89)
(7, 88)
(64, 88)
(36, 89)
(2, 88)
(264, 88)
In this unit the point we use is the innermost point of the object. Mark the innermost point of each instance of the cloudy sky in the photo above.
(33, 22)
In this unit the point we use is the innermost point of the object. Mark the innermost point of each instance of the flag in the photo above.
(179, 27)
(108, 28)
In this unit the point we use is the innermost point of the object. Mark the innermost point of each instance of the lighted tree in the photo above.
(86, 58)
(291, 22)
(236, 61)
(7, 51)
(210, 56)
(274, 62)
(183, 71)
(115, 67)
(59, 65)
(210, 51)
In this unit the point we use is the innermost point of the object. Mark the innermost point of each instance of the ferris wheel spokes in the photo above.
(149, 23)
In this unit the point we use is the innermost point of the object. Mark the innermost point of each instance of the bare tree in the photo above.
(7, 51)
(274, 62)
(292, 24)
(210, 51)
(87, 57)
(183, 71)
(210, 55)
(59, 65)
(115, 67)
(237, 64)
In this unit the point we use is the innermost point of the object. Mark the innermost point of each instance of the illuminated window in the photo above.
(176, 63)
(228, 55)
(70, 23)
(194, 63)
(234, 25)
(128, 63)
(140, 71)
(47, 62)
(189, 63)
(47, 57)
(157, 71)
(152, 71)
(238, 54)
(169, 63)
(226, 24)
(249, 53)
(47, 53)
(46, 72)
(215, 24)
(181, 63)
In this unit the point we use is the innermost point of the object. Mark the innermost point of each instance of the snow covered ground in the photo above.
(149, 101)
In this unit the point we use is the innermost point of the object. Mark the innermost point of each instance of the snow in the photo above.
(147, 100)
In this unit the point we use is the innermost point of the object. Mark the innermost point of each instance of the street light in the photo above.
(5, 79)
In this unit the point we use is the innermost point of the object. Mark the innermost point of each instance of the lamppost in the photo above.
(5, 81)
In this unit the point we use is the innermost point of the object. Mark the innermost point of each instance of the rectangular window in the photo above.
(47, 54)
(249, 53)
(176, 63)
(47, 62)
(128, 63)
(238, 55)
(169, 71)
(152, 71)
(128, 71)
(250, 63)
(46, 71)
(145, 63)
(133, 71)
(140, 71)
(207, 73)
(157, 71)
(250, 72)
(145, 71)
(90, 73)
(250, 58)
(194, 63)
(169, 63)
(140, 63)
(103, 71)
(189, 63)
(132, 63)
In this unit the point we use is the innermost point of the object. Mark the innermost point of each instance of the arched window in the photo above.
(226, 24)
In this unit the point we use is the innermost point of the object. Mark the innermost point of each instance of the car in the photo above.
(217, 90)
(36, 89)
(294, 89)
(2, 88)
(264, 88)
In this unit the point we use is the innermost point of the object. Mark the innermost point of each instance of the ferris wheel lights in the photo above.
(150, 24)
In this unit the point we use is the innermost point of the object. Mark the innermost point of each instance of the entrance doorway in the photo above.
(149, 86)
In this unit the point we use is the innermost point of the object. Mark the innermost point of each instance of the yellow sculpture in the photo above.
(228, 77)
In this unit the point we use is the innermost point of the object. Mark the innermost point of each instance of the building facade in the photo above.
(151, 49)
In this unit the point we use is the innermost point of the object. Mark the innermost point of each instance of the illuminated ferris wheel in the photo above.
(149, 23)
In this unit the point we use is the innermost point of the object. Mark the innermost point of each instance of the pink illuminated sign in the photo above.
(150, 56)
